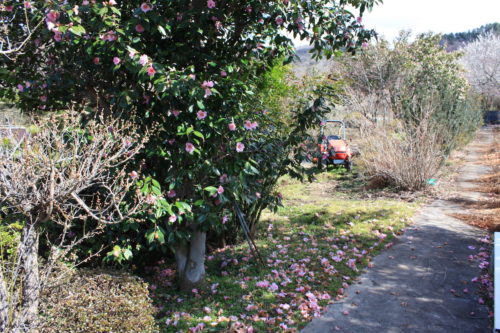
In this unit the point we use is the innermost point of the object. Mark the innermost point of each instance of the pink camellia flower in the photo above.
(258, 195)
(151, 199)
(134, 175)
(201, 115)
(240, 147)
(116, 60)
(211, 4)
(57, 36)
(85, 3)
(172, 218)
(27, 4)
(189, 147)
(151, 71)
(225, 218)
(364, 44)
(279, 20)
(171, 194)
(143, 59)
(220, 190)
(249, 125)
(223, 178)
(109, 36)
(223, 73)
(20, 87)
(27, 84)
(285, 2)
(9, 8)
(96, 60)
(139, 28)
(146, 7)
(207, 84)
(262, 284)
(176, 113)
(132, 54)
(43, 98)
(112, 2)
(52, 16)
(232, 126)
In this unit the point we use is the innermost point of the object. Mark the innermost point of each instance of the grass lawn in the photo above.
(323, 237)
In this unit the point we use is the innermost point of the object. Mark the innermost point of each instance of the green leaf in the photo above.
(127, 254)
(116, 11)
(198, 134)
(211, 189)
(162, 30)
(77, 30)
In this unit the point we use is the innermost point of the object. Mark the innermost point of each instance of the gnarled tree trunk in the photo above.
(4, 303)
(190, 258)
(31, 277)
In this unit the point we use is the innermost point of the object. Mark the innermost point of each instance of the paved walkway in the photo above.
(417, 285)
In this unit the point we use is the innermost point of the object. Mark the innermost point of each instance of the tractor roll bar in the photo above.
(342, 126)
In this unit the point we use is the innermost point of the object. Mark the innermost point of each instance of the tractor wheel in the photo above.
(348, 166)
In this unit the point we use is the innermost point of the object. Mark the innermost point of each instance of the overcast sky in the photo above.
(431, 15)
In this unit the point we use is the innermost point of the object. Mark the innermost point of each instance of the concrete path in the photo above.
(418, 284)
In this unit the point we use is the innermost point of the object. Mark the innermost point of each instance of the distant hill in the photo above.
(456, 40)
(306, 63)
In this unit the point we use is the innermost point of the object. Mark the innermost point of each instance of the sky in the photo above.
(442, 16)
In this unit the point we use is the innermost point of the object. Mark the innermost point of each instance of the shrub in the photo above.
(400, 158)
(10, 234)
(66, 184)
(98, 301)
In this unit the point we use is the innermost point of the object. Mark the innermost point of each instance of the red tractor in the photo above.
(333, 149)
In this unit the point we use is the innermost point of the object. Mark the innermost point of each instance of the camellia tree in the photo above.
(187, 70)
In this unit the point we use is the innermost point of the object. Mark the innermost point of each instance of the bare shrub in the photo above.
(403, 157)
(59, 176)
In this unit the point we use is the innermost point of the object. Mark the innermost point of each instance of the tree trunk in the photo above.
(31, 277)
(190, 259)
(4, 303)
